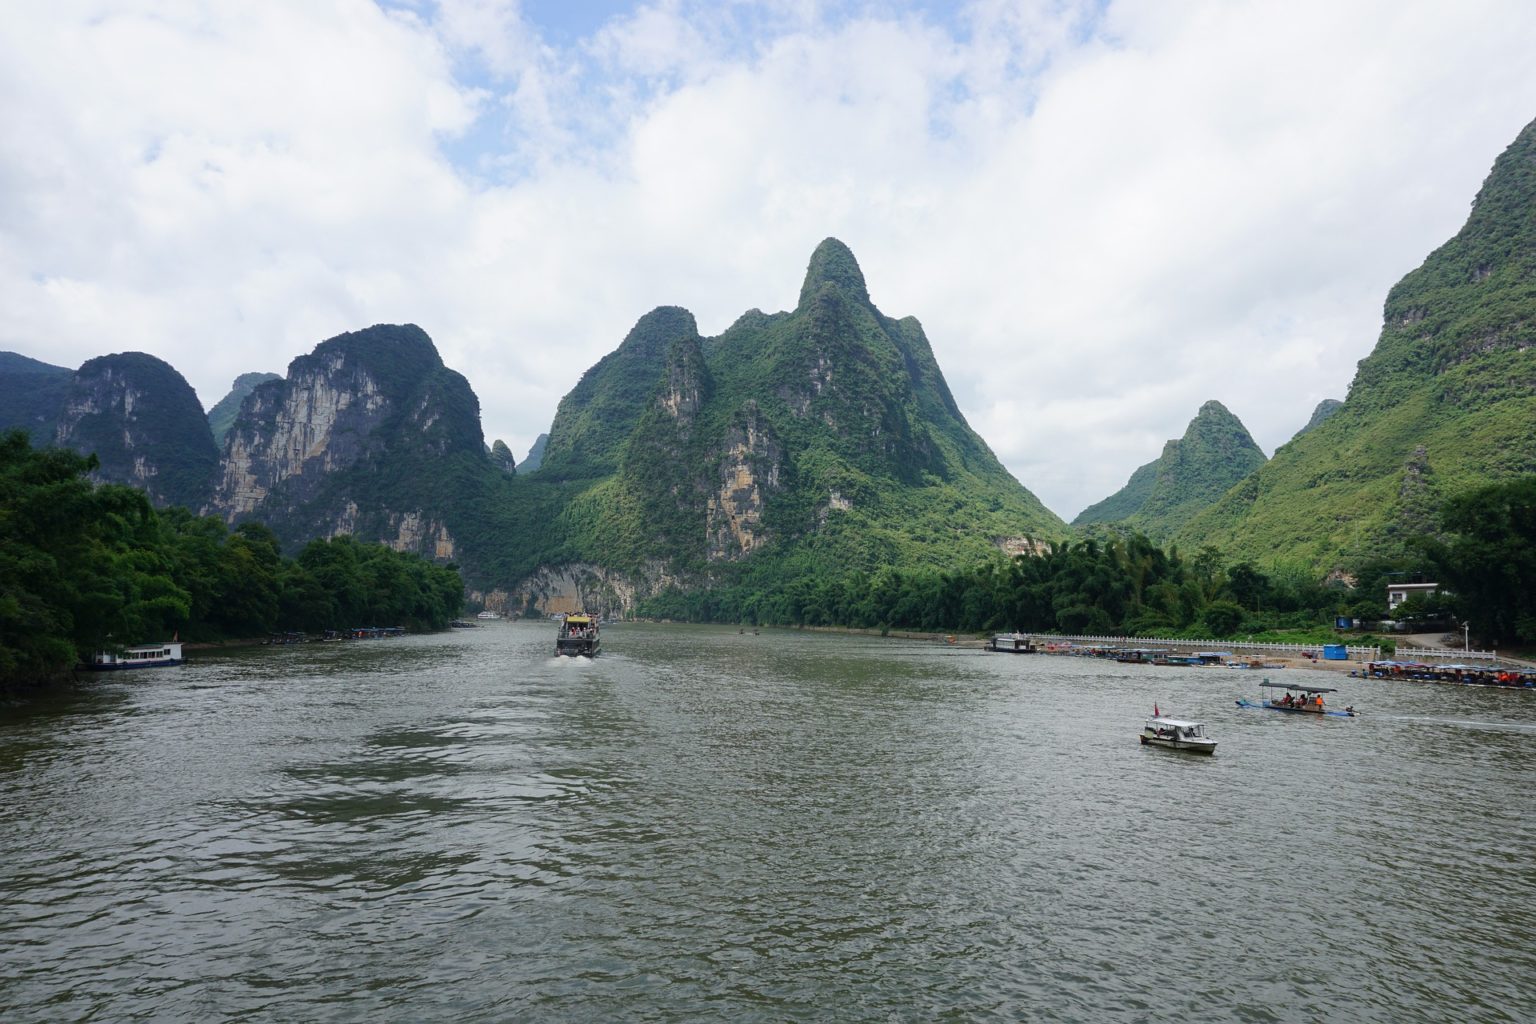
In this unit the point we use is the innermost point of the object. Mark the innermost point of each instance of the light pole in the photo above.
(1466, 636)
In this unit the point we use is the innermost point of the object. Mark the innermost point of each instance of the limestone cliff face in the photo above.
(318, 419)
(369, 435)
(143, 422)
(577, 587)
(749, 470)
(685, 385)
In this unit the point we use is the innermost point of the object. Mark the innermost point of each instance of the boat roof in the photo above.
(1303, 689)
(579, 619)
(1165, 720)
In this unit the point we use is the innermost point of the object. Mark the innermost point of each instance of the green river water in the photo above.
(704, 824)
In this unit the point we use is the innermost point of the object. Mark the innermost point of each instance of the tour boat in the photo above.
(1176, 734)
(142, 656)
(578, 636)
(1012, 643)
(1298, 699)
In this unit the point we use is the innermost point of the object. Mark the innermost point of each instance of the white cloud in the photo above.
(1102, 217)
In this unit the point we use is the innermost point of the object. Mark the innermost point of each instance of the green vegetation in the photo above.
(1119, 586)
(1193, 472)
(535, 457)
(131, 408)
(1129, 586)
(85, 567)
(1488, 562)
(222, 416)
(1327, 407)
(31, 394)
(823, 440)
(501, 457)
(1444, 403)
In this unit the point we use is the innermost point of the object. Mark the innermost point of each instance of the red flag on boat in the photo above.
(1156, 713)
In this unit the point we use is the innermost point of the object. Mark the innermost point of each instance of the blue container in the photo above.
(1335, 652)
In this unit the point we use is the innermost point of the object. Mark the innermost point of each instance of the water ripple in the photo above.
(705, 824)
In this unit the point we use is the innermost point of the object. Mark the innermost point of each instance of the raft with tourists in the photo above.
(1298, 699)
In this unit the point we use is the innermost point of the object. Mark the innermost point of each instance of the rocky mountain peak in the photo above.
(833, 263)
(144, 423)
(653, 334)
(594, 418)
(1191, 474)
(223, 414)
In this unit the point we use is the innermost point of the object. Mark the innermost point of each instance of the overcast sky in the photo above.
(1104, 214)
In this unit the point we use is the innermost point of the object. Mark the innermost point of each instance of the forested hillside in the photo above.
(1192, 474)
(817, 440)
(1445, 402)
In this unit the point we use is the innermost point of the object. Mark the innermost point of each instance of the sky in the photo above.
(1103, 213)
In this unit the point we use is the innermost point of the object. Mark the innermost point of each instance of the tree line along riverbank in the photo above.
(86, 567)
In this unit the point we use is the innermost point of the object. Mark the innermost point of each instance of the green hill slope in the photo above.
(818, 440)
(222, 416)
(1446, 401)
(31, 393)
(1192, 474)
(1327, 407)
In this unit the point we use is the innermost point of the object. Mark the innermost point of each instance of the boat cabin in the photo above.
(141, 656)
(1177, 734)
(1013, 643)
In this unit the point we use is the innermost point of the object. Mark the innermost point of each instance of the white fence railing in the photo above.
(1356, 653)
(1445, 653)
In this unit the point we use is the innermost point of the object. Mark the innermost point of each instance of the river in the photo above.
(706, 824)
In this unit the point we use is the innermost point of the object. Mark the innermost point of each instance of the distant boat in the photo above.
(1176, 734)
(141, 656)
(1012, 643)
(578, 637)
(1298, 700)
(488, 615)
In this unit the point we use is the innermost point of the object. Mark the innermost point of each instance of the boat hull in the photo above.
(124, 667)
(573, 647)
(1195, 746)
(1267, 706)
(161, 655)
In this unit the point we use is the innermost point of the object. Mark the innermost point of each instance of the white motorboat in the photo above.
(1177, 734)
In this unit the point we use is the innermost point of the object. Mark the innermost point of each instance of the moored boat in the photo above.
(578, 636)
(140, 656)
(1012, 643)
(1176, 734)
(1298, 699)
